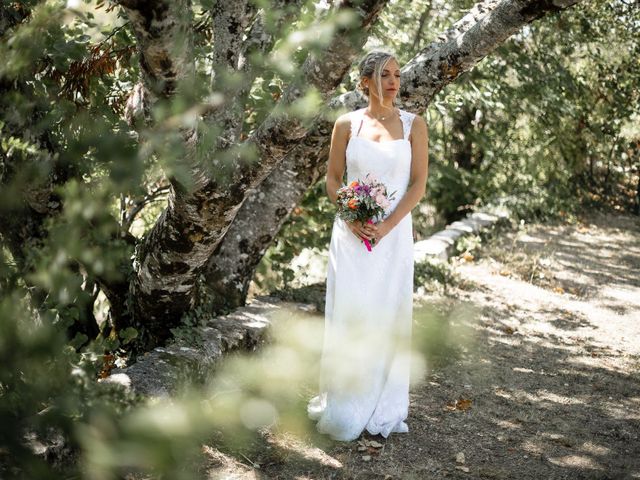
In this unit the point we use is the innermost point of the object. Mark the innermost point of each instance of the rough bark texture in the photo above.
(280, 132)
(230, 20)
(11, 14)
(183, 239)
(230, 58)
(485, 27)
(442, 62)
(230, 270)
(165, 43)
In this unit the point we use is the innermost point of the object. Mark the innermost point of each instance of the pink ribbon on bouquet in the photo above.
(366, 242)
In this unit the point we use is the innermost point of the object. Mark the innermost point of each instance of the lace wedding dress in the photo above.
(365, 362)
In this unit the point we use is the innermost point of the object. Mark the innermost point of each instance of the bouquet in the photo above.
(363, 200)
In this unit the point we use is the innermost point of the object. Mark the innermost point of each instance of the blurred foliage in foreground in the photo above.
(250, 394)
(109, 434)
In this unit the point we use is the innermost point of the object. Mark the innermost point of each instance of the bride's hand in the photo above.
(382, 228)
(363, 231)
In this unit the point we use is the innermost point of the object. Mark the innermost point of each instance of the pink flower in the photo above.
(371, 179)
(383, 201)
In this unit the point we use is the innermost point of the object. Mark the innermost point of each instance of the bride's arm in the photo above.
(337, 156)
(418, 179)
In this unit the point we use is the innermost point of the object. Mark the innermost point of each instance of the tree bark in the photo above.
(183, 239)
(487, 25)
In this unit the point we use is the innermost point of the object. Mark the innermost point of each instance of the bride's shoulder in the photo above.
(347, 117)
(414, 117)
(343, 122)
(343, 119)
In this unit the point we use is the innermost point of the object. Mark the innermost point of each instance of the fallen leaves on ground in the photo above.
(460, 404)
(109, 363)
(369, 448)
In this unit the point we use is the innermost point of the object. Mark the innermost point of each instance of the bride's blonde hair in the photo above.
(371, 66)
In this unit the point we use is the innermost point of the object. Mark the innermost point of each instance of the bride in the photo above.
(365, 363)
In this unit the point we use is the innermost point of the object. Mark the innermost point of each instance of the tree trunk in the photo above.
(197, 216)
(487, 25)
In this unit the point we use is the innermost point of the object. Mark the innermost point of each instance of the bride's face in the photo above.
(390, 80)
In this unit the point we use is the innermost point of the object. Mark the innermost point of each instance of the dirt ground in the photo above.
(533, 371)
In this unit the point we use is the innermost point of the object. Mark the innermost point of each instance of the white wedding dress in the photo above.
(365, 362)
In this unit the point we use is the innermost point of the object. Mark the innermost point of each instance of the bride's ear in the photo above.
(362, 87)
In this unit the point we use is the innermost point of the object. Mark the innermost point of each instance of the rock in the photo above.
(460, 457)
(157, 373)
(442, 244)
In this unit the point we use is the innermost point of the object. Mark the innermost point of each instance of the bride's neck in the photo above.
(378, 110)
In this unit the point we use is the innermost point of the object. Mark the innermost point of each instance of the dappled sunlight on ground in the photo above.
(530, 370)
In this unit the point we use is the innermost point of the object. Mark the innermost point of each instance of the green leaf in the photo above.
(128, 334)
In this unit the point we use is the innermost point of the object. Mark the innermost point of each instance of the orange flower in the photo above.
(353, 184)
(353, 203)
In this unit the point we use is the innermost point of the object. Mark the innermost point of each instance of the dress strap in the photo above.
(357, 117)
(407, 121)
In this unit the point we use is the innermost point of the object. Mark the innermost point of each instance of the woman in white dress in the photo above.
(364, 370)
